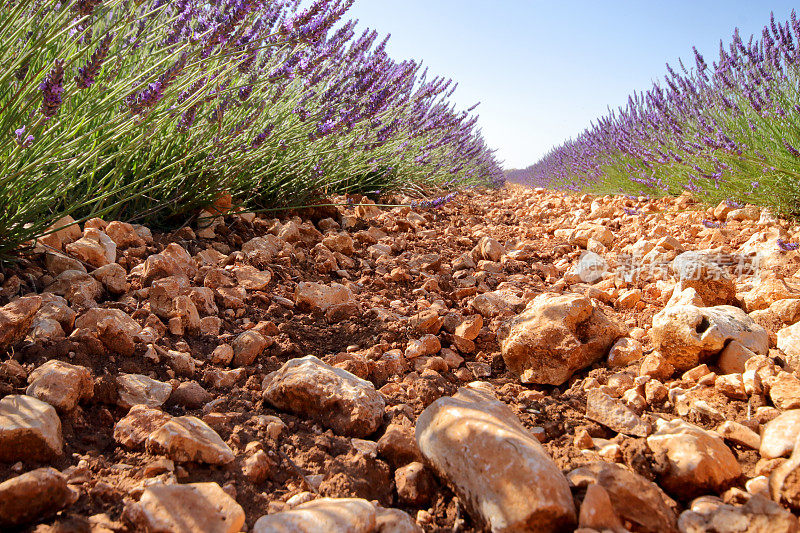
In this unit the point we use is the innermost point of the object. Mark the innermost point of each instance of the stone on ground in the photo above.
(334, 515)
(34, 495)
(316, 296)
(779, 435)
(247, 347)
(698, 271)
(187, 438)
(597, 512)
(614, 414)
(60, 384)
(333, 397)
(687, 335)
(698, 461)
(30, 430)
(190, 508)
(556, 336)
(16, 319)
(757, 515)
(136, 389)
(497, 467)
(634, 498)
(141, 421)
(498, 303)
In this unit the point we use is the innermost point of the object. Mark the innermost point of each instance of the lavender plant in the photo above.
(725, 131)
(148, 110)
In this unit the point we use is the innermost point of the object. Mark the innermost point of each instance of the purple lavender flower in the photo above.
(52, 88)
(22, 71)
(27, 141)
(188, 117)
(84, 8)
(88, 73)
(141, 103)
(788, 246)
(261, 137)
(791, 149)
(245, 92)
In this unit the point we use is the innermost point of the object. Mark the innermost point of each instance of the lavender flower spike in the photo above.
(791, 149)
(27, 141)
(52, 88)
(85, 8)
(88, 73)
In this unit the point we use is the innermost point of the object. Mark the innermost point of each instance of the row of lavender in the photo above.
(149, 108)
(725, 131)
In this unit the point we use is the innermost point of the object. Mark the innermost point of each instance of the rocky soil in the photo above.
(517, 360)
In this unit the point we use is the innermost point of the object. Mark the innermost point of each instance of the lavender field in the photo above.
(149, 110)
(725, 130)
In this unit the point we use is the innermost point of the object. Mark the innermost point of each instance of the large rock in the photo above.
(251, 278)
(497, 303)
(489, 249)
(185, 262)
(164, 292)
(79, 288)
(591, 230)
(113, 277)
(597, 511)
(33, 496)
(698, 461)
(614, 414)
(57, 263)
(757, 515)
(634, 498)
(136, 389)
(95, 248)
(698, 270)
(499, 470)
(333, 397)
(247, 347)
(60, 384)
(784, 481)
(590, 268)
(398, 446)
(65, 231)
(395, 521)
(319, 297)
(687, 335)
(56, 308)
(263, 249)
(16, 319)
(779, 435)
(624, 352)
(30, 430)
(789, 342)
(190, 508)
(767, 292)
(332, 515)
(784, 391)
(93, 317)
(556, 336)
(173, 261)
(123, 234)
(141, 421)
(46, 328)
(187, 438)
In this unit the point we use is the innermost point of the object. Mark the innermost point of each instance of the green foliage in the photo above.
(172, 119)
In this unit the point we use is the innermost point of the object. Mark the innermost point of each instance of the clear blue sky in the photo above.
(543, 70)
